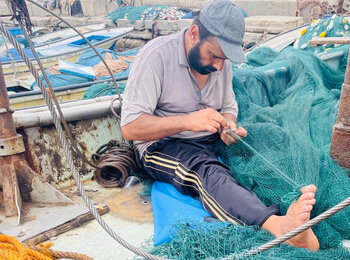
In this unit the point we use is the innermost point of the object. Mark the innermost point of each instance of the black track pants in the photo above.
(193, 168)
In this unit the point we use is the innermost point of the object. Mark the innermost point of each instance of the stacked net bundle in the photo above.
(334, 26)
(157, 12)
(288, 103)
(132, 13)
(103, 89)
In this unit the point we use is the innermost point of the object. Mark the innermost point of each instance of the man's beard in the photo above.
(194, 58)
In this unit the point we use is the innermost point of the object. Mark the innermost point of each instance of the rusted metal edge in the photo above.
(12, 145)
(341, 128)
(340, 144)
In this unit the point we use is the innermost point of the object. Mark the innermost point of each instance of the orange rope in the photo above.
(12, 249)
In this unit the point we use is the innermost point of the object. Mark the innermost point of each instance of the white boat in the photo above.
(68, 49)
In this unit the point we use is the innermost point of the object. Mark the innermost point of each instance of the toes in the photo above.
(309, 188)
(310, 202)
(307, 196)
(306, 208)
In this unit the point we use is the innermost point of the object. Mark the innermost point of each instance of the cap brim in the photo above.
(233, 52)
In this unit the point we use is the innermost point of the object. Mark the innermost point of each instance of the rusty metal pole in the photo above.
(340, 145)
(11, 144)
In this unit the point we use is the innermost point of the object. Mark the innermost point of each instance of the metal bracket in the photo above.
(4, 110)
(12, 145)
(342, 128)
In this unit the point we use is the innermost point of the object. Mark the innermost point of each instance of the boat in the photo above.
(56, 206)
(73, 81)
(39, 38)
(21, 85)
(67, 49)
(66, 33)
(34, 98)
(18, 34)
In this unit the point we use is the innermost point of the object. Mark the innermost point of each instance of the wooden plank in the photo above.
(78, 221)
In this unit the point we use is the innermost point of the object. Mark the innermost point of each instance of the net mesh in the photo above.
(288, 103)
(210, 241)
(334, 26)
(103, 89)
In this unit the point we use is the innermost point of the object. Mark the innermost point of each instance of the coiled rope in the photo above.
(114, 161)
(12, 249)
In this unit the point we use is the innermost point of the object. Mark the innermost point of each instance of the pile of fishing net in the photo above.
(334, 26)
(288, 103)
(103, 89)
(157, 12)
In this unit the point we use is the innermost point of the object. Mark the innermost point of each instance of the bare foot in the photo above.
(297, 214)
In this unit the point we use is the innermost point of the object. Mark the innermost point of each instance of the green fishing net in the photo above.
(103, 89)
(289, 118)
(132, 13)
(288, 103)
(334, 26)
(212, 241)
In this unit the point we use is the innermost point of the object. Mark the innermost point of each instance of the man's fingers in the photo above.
(212, 129)
(230, 136)
(216, 125)
(241, 132)
(223, 137)
(232, 125)
(220, 119)
(226, 138)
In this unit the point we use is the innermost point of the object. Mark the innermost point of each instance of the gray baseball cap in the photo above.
(224, 20)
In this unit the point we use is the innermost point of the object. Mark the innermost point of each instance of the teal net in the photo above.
(103, 89)
(133, 13)
(156, 12)
(210, 241)
(335, 26)
(288, 103)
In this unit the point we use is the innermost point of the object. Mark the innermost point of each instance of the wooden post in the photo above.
(340, 145)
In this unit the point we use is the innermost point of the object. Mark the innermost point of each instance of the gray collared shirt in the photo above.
(161, 84)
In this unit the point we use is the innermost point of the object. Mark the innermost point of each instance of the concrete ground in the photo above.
(129, 216)
(92, 240)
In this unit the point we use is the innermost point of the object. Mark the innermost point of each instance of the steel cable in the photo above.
(64, 143)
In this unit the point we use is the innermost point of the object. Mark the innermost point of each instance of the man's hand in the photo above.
(227, 137)
(206, 120)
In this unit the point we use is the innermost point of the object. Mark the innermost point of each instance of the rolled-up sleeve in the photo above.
(230, 104)
(141, 94)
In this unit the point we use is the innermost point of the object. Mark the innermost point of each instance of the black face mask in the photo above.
(194, 58)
